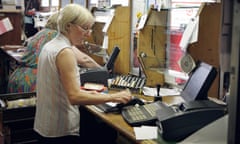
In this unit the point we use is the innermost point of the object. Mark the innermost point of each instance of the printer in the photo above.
(100, 75)
(94, 75)
(175, 124)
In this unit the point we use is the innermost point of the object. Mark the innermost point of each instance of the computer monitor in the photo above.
(199, 82)
(110, 64)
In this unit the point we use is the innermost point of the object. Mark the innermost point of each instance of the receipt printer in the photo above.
(175, 125)
(94, 75)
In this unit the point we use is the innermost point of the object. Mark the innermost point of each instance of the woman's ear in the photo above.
(68, 26)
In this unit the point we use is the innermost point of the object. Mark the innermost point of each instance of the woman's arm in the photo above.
(66, 63)
(84, 60)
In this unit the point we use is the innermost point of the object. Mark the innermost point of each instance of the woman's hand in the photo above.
(121, 97)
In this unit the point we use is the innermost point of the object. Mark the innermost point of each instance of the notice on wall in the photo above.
(5, 26)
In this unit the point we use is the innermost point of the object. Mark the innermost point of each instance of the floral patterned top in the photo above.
(23, 79)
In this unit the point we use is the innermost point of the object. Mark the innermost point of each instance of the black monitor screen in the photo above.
(199, 82)
(110, 64)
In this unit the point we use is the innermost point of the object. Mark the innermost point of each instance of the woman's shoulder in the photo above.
(47, 31)
(43, 36)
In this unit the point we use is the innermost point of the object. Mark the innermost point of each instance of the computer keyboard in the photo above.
(142, 114)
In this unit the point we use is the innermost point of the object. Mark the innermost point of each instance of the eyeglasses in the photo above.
(84, 29)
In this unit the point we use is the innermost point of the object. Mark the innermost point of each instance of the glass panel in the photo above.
(81, 2)
(55, 3)
(165, 38)
(45, 3)
(180, 15)
(64, 3)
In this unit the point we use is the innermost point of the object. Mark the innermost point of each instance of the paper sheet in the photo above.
(190, 34)
(5, 26)
(145, 132)
(163, 91)
(107, 24)
(142, 22)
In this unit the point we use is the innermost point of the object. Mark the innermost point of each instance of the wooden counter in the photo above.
(119, 124)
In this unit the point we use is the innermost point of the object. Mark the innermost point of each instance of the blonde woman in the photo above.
(58, 80)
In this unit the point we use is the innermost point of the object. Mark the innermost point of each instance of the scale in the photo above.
(187, 63)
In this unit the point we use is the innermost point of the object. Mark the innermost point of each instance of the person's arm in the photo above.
(66, 63)
(84, 60)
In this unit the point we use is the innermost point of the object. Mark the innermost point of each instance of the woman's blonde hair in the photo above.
(74, 14)
(52, 21)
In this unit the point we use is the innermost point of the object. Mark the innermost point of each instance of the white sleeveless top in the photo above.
(55, 116)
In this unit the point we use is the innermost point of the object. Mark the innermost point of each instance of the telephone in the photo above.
(118, 108)
(177, 124)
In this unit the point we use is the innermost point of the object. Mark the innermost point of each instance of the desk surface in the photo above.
(14, 52)
(118, 123)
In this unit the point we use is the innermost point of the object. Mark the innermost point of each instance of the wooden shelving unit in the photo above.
(119, 34)
(151, 49)
(12, 37)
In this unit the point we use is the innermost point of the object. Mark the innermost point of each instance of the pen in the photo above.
(158, 97)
